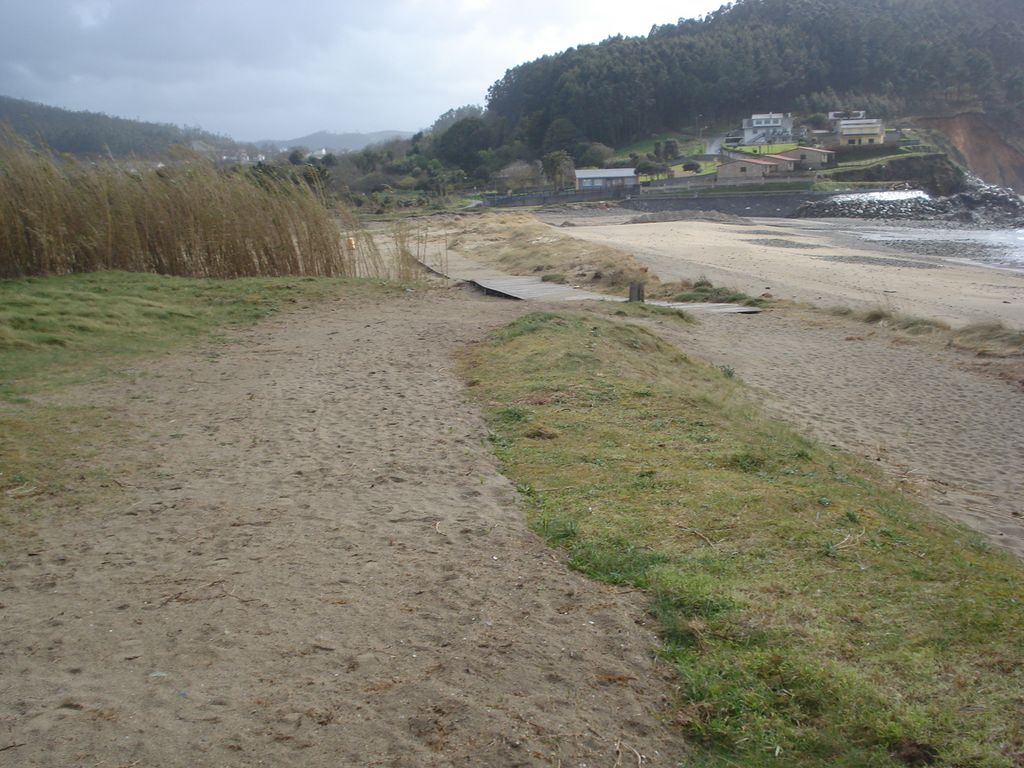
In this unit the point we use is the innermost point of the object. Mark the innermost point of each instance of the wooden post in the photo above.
(636, 292)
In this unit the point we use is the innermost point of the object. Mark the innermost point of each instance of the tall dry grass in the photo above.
(186, 218)
(413, 250)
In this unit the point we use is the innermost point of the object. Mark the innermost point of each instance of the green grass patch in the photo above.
(764, 149)
(813, 614)
(704, 291)
(641, 310)
(859, 162)
(688, 145)
(58, 331)
(717, 294)
(707, 168)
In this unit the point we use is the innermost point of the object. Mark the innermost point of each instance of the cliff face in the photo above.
(984, 148)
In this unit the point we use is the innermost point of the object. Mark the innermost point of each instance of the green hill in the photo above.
(91, 134)
(887, 56)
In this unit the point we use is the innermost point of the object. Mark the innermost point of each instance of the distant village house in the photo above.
(606, 178)
(853, 114)
(862, 131)
(782, 164)
(767, 128)
(810, 158)
(747, 169)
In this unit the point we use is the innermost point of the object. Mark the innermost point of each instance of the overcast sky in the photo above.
(281, 69)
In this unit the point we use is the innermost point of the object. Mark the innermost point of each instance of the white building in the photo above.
(768, 128)
(606, 178)
(860, 132)
(853, 114)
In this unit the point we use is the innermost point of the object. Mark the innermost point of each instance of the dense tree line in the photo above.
(890, 57)
(91, 134)
(758, 55)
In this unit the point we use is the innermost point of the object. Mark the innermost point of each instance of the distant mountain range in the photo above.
(92, 134)
(338, 142)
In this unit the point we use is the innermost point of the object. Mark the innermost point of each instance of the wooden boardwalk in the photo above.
(534, 289)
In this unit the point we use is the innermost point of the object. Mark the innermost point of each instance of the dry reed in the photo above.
(414, 250)
(186, 218)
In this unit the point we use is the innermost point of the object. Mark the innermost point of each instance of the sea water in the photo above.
(998, 248)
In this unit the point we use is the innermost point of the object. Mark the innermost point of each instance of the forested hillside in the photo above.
(602, 104)
(94, 134)
(889, 56)
(599, 104)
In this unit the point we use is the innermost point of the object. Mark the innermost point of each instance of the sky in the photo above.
(279, 69)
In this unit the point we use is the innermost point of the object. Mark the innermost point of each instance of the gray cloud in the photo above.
(262, 69)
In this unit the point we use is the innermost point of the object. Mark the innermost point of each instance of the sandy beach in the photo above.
(948, 424)
(812, 261)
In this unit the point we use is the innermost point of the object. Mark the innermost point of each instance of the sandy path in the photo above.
(315, 562)
(816, 267)
(925, 412)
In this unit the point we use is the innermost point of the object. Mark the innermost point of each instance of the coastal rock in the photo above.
(980, 205)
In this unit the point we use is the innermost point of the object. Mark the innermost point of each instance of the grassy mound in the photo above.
(987, 339)
(814, 615)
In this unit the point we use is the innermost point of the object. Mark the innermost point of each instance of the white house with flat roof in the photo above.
(605, 178)
(851, 114)
(767, 128)
(860, 132)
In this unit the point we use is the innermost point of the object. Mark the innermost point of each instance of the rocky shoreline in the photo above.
(980, 205)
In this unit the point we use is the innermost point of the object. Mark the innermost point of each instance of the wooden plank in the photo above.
(534, 289)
